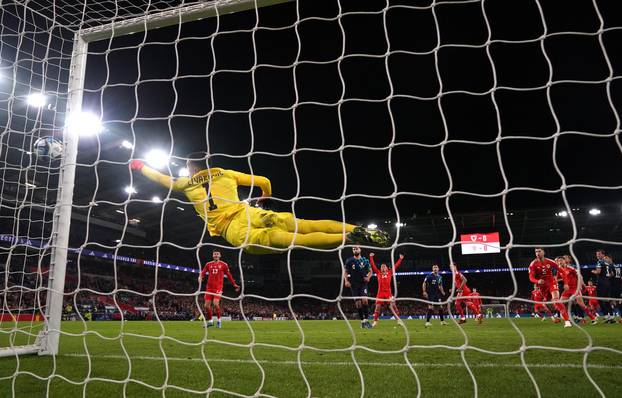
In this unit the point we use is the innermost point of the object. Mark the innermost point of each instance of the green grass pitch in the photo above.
(97, 364)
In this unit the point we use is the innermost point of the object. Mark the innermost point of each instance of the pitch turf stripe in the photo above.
(361, 363)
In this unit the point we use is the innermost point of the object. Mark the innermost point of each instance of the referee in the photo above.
(434, 292)
(356, 275)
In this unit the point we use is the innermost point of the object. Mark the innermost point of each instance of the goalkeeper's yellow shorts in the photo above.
(254, 226)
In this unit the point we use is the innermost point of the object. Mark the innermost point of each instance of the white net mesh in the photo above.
(430, 119)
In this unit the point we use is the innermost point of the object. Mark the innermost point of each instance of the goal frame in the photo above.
(47, 341)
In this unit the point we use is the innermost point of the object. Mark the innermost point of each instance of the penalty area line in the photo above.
(343, 363)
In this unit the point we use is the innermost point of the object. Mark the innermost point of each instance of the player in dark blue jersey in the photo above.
(434, 292)
(356, 275)
(603, 272)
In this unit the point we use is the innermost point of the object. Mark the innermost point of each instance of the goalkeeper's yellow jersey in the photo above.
(213, 192)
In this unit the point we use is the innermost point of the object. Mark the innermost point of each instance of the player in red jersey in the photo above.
(215, 271)
(572, 284)
(385, 295)
(477, 301)
(536, 295)
(590, 289)
(541, 273)
(463, 293)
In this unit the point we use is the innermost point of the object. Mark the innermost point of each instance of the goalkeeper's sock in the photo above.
(326, 226)
(319, 240)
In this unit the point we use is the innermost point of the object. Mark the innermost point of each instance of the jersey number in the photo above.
(210, 200)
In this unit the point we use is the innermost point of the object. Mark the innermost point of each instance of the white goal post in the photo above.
(47, 342)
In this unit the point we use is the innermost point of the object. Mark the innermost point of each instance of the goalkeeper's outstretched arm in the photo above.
(176, 184)
(255, 181)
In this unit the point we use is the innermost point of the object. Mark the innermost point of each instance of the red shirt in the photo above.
(591, 291)
(216, 271)
(570, 278)
(475, 299)
(384, 279)
(536, 295)
(542, 270)
(459, 282)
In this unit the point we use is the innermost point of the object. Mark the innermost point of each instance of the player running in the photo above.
(385, 295)
(572, 283)
(433, 291)
(536, 295)
(541, 273)
(214, 194)
(590, 290)
(356, 275)
(463, 293)
(215, 271)
(477, 301)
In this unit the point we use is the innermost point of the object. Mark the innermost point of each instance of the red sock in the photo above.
(397, 312)
(218, 312)
(209, 313)
(376, 315)
(589, 312)
(460, 309)
(562, 310)
(473, 308)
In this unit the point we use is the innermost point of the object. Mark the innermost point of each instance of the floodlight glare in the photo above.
(372, 226)
(130, 189)
(84, 124)
(157, 159)
(156, 199)
(562, 213)
(127, 144)
(400, 224)
(36, 99)
(183, 172)
(594, 212)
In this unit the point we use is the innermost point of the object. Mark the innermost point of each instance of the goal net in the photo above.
(437, 122)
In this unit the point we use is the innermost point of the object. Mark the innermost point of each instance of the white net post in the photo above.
(62, 214)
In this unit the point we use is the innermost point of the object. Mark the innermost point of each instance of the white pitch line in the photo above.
(332, 363)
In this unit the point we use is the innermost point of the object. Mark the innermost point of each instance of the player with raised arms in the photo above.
(541, 273)
(433, 291)
(572, 285)
(463, 293)
(215, 271)
(385, 295)
(214, 194)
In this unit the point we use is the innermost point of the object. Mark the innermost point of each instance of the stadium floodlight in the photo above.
(37, 100)
(157, 159)
(594, 212)
(372, 226)
(120, 211)
(156, 199)
(84, 124)
(130, 189)
(400, 224)
(562, 213)
(183, 172)
(127, 144)
(180, 208)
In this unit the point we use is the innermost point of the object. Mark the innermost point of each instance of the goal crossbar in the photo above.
(172, 17)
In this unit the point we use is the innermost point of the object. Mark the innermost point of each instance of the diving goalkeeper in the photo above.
(214, 194)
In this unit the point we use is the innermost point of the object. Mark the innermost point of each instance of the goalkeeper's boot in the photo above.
(219, 324)
(375, 237)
